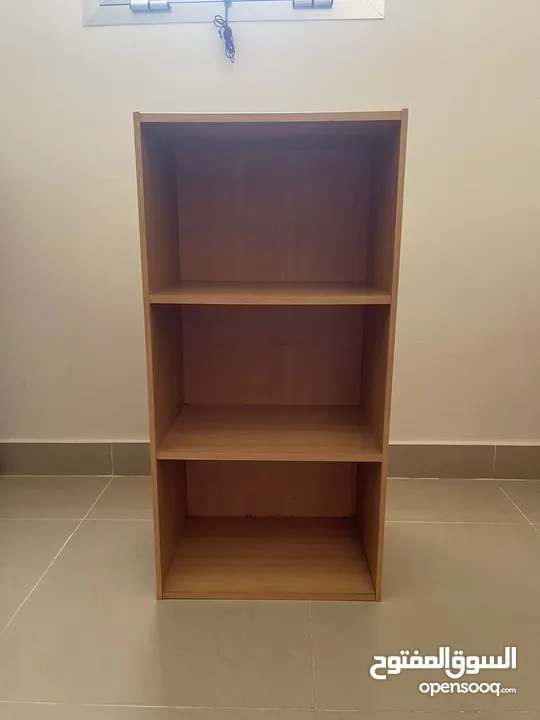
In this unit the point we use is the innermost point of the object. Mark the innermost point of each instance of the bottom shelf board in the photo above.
(270, 558)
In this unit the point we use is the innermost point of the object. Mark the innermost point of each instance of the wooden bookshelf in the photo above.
(270, 254)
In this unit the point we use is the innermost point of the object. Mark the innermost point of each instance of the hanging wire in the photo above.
(225, 32)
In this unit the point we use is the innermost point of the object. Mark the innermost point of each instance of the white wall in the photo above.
(71, 329)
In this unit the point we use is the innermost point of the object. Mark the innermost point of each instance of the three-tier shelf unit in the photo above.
(270, 251)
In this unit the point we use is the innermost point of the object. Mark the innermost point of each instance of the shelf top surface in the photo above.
(269, 293)
(287, 558)
(259, 432)
(272, 117)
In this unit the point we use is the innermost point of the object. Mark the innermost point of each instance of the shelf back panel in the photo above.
(272, 355)
(248, 212)
(271, 489)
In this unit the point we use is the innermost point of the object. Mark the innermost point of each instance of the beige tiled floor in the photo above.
(525, 495)
(127, 498)
(48, 497)
(84, 638)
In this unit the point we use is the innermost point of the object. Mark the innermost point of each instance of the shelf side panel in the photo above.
(375, 365)
(167, 369)
(370, 511)
(170, 513)
(158, 216)
(379, 338)
(156, 182)
(383, 271)
(385, 215)
(165, 390)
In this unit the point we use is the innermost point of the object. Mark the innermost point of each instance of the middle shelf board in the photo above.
(269, 293)
(258, 432)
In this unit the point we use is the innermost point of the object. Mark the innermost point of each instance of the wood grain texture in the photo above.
(290, 211)
(399, 150)
(385, 189)
(271, 489)
(159, 256)
(370, 513)
(170, 512)
(309, 117)
(250, 214)
(167, 369)
(236, 432)
(272, 558)
(269, 293)
(158, 217)
(376, 340)
(272, 355)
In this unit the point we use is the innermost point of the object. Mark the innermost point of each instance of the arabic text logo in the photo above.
(455, 666)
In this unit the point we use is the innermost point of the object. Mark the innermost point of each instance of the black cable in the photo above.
(225, 32)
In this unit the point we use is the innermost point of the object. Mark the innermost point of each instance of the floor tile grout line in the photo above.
(451, 522)
(519, 509)
(464, 480)
(469, 714)
(40, 519)
(62, 475)
(147, 475)
(134, 706)
(71, 519)
(79, 476)
(312, 646)
(29, 518)
(49, 566)
(119, 519)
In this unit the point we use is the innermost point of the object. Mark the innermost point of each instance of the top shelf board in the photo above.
(325, 117)
(269, 293)
(266, 126)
